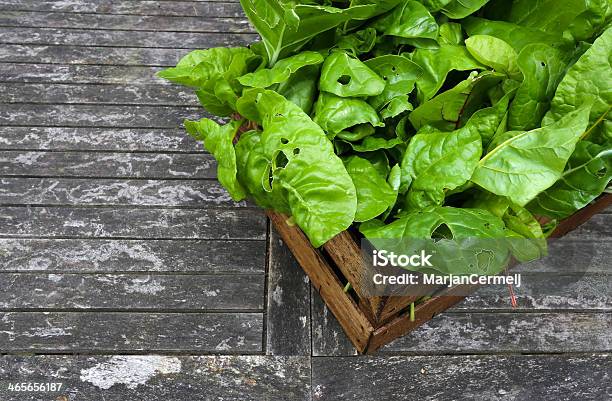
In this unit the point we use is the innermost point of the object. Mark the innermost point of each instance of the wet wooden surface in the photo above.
(128, 273)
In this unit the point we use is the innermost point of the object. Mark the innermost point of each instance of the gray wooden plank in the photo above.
(150, 94)
(119, 331)
(107, 165)
(98, 139)
(288, 303)
(598, 227)
(131, 256)
(101, 192)
(174, 8)
(123, 38)
(35, 19)
(162, 378)
(75, 74)
(477, 378)
(328, 338)
(545, 292)
(193, 292)
(508, 332)
(28, 222)
(98, 115)
(97, 55)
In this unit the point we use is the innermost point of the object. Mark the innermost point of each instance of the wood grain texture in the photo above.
(478, 378)
(116, 332)
(328, 337)
(162, 95)
(124, 22)
(98, 115)
(77, 74)
(508, 332)
(545, 292)
(131, 292)
(131, 256)
(324, 280)
(164, 378)
(107, 165)
(108, 192)
(288, 303)
(123, 38)
(131, 223)
(98, 139)
(90, 55)
(173, 8)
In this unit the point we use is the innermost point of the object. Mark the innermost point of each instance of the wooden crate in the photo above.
(371, 322)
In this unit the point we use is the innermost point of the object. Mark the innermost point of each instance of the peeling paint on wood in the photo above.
(142, 256)
(288, 304)
(100, 192)
(84, 74)
(139, 56)
(116, 331)
(123, 22)
(478, 378)
(509, 332)
(328, 338)
(126, 38)
(98, 139)
(174, 8)
(98, 115)
(131, 291)
(132, 223)
(104, 165)
(98, 94)
(165, 378)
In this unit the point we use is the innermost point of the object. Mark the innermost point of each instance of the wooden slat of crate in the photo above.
(350, 316)
(378, 320)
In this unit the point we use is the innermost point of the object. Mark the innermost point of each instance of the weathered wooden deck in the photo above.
(127, 273)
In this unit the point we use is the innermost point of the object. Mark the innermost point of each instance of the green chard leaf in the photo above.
(301, 166)
(281, 71)
(399, 74)
(588, 173)
(439, 161)
(374, 194)
(214, 72)
(457, 9)
(437, 63)
(446, 111)
(285, 27)
(582, 18)
(515, 35)
(494, 53)
(472, 239)
(345, 76)
(218, 140)
(527, 164)
(542, 67)
(409, 19)
(589, 80)
(335, 114)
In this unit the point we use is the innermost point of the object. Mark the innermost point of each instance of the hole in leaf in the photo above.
(278, 115)
(543, 64)
(296, 151)
(344, 79)
(601, 172)
(393, 68)
(284, 141)
(384, 77)
(281, 160)
(443, 231)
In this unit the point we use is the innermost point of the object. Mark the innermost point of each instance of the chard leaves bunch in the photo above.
(412, 118)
